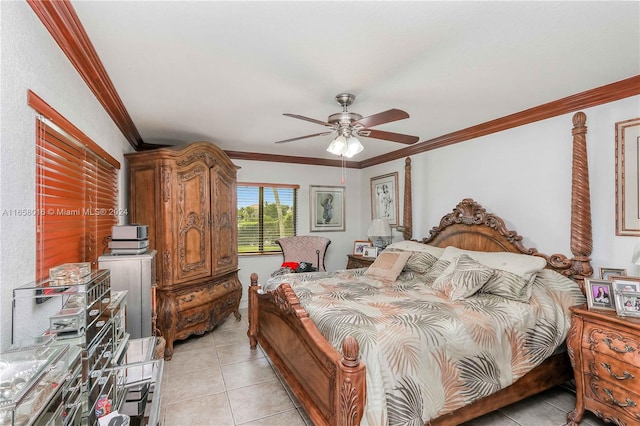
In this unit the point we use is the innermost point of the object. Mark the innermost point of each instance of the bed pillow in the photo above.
(462, 278)
(388, 265)
(408, 245)
(523, 265)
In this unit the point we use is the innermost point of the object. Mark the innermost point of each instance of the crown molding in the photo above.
(590, 98)
(61, 21)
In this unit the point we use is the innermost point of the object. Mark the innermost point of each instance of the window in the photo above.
(76, 193)
(266, 212)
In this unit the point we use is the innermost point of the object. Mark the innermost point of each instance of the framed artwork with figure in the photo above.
(327, 208)
(384, 198)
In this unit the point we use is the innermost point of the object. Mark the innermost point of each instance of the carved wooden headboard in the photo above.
(470, 227)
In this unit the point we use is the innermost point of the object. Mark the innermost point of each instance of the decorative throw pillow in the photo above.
(508, 285)
(523, 265)
(462, 278)
(388, 265)
(420, 262)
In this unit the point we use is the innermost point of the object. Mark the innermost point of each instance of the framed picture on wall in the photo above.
(628, 177)
(385, 198)
(327, 208)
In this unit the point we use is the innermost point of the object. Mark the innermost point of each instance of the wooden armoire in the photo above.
(187, 196)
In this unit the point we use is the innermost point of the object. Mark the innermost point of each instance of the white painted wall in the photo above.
(32, 60)
(524, 176)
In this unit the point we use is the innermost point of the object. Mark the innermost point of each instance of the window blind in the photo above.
(76, 199)
(266, 212)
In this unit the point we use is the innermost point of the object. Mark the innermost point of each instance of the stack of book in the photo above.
(129, 239)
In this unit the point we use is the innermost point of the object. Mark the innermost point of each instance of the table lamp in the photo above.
(380, 233)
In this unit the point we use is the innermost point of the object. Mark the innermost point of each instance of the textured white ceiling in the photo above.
(226, 71)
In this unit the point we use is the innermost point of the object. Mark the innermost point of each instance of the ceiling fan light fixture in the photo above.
(338, 146)
(353, 147)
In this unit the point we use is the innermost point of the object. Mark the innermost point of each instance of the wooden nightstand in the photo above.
(605, 354)
(359, 261)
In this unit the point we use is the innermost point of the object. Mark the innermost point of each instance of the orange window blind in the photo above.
(76, 198)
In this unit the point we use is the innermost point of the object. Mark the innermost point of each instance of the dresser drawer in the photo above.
(610, 394)
(611, 342)
(193, 317)
(612, 370)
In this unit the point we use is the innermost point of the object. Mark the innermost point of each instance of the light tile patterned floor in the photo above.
(216, 380)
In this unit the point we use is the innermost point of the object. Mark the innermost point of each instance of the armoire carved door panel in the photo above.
(224, 228)
(191, 216)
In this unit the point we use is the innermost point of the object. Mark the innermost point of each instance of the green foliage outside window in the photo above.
(264, 215)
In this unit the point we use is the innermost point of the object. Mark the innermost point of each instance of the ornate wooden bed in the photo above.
(331, 385)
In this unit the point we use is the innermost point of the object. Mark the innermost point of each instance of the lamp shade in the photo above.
(338, 146)
(353, 147)
(379, 228)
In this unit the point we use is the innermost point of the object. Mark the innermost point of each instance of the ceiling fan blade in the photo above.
(313, 120)
(304, 137)
(389, 136)
(381, 118)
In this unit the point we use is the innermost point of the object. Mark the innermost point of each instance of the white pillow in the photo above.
(408, 245)
(523, 265)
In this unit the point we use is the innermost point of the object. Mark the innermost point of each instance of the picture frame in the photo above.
(628, 177)
(600, 294)
(359, 246)
(385, 198)
(607, 273)
(628, 303)
(624, 283)
(370, 251)
(327, 208)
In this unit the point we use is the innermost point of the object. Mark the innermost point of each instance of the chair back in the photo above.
(305, 248)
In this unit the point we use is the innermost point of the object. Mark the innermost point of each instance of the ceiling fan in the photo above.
(347, 125)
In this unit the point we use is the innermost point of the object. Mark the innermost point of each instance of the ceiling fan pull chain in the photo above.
(342, 178)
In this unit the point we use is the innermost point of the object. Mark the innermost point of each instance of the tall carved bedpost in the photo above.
(581, 238)
(252, 332)
(407, 210)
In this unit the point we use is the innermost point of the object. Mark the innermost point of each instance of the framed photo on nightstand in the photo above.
(599, 294)
(628, 303)
(607, 273)
(370, 252)
(624, 283)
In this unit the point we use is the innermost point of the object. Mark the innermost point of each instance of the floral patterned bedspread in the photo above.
(425, 355)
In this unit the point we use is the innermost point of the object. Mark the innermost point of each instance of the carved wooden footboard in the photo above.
(331, 386)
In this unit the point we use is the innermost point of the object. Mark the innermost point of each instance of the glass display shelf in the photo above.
(134, 387)
(68, 311)
(39, 385)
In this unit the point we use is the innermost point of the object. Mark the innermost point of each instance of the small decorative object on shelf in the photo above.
(70, 274)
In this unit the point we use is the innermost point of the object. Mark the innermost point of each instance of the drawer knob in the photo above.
(627, 403)
(626, 349)
(625, 376)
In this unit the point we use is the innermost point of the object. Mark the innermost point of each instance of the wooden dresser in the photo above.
(187, 196)
(354, 261)
(605, 354)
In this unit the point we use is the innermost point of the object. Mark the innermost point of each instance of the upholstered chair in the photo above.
(305, 248)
